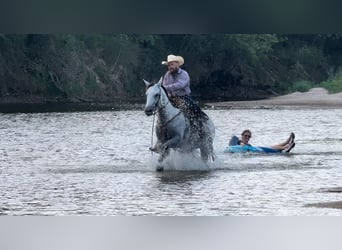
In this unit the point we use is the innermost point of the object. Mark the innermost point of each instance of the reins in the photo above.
(167, 122)
(154, 116)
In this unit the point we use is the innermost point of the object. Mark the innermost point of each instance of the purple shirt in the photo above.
(177, 85)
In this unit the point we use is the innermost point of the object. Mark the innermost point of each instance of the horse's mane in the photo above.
(161, 85)
(163, 88)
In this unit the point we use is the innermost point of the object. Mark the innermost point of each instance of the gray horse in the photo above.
(173, 128)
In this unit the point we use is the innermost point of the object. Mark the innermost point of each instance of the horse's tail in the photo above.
(207, 152)
(207, 141)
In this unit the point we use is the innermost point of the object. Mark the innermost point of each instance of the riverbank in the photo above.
(316, 97)
(37, 104)
(332, 204)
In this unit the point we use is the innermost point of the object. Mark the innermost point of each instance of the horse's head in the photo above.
(153, 93)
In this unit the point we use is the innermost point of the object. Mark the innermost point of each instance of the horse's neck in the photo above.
(166, 109)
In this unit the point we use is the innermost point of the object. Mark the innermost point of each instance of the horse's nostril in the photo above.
(148, 111)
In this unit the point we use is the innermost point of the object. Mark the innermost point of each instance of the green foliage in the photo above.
(333, 85)
(102, 73)
(112, 49)
(225, 66)
(91, 82)
(252, 46)
(310, 56)
(301, 86)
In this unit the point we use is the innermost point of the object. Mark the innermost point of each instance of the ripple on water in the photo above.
(98, 163)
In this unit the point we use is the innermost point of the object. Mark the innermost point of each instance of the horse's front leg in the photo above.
(165, 151)
(163, 155)
(171, 143)
(157, 147)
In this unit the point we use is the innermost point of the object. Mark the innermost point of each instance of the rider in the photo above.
(176, 81)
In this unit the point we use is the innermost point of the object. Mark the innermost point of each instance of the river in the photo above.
(98, 163)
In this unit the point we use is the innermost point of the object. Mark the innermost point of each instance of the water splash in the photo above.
(178, 161)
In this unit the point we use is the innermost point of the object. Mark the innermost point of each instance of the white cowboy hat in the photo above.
(173, 58)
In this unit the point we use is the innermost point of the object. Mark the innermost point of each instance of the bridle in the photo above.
(155, 109)
(157, 101)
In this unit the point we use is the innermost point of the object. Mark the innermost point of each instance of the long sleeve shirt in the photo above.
(178, 84)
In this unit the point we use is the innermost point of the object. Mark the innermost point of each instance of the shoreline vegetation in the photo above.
(86, 68)
(314, 98)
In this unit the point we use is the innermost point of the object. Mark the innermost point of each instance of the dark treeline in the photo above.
(108, 67)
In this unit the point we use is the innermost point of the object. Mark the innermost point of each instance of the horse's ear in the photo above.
(160, 81)
(146, 83)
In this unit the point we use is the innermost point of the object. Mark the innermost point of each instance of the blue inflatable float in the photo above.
(252, 149)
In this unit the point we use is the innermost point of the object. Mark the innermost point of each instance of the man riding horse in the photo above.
(176, 81)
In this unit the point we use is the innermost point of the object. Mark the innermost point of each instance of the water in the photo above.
(98, 163)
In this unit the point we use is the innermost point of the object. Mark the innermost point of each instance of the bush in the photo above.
(301, 86)
(333, 85)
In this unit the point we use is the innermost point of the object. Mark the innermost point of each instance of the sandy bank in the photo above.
(316, 97)
(332, 204)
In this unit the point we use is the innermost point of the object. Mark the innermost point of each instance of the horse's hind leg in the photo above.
(211, 152)
(204, 153)
(207, 149)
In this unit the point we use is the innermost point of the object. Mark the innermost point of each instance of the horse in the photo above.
(174, 129)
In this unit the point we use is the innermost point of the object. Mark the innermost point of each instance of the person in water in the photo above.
(247, 134)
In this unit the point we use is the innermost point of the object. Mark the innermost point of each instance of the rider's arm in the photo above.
(182, 82)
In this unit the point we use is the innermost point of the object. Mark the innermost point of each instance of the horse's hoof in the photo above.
(160, 168)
